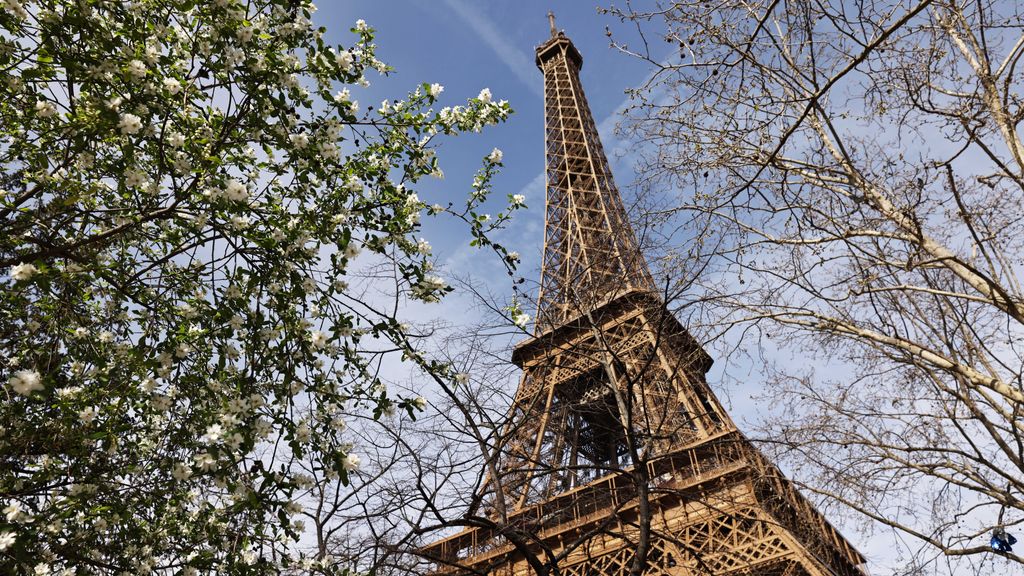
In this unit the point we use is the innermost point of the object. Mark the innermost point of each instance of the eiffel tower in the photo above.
(616, 449)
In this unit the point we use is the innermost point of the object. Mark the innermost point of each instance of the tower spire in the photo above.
(551, 20)
(590, 251)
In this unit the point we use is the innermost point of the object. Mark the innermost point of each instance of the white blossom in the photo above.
(82, 489)
(520, 319)
(309, 284)
(181, 472)
(134, 178)
(85, 160)
(136, 69)
(205, 461)
(25, 382)
(186, 310)
(236, 191)
(234, 441)
(338, 423)
(330, 151)
(15, 7)
(88, 415)
(233, 56)
(7, 539)
(344, 59)
(435, 90)
(518, 199)
(214, 432)
(161, 402)
(130, 124)
(172, 85)
(495, 155)
(351, 462)
(292, 508)
(428, 288)
(24, 271)
(262, 428)
(45, 109)
(244, 34)
(304, 481)
(318, 339)
(485, 96)
(14, 513)
(69, 391)
(332, 127)
(302, 433)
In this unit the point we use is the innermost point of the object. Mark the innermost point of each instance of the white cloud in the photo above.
(520, 63)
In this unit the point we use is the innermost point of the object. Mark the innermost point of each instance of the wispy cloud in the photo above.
(520, 63)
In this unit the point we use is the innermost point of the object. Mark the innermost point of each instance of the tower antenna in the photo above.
(551, 20)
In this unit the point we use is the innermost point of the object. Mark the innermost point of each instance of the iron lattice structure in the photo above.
(615, 440)
(590, 251)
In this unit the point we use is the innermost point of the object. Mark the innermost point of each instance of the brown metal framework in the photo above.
(590, 251)
(613, 420)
